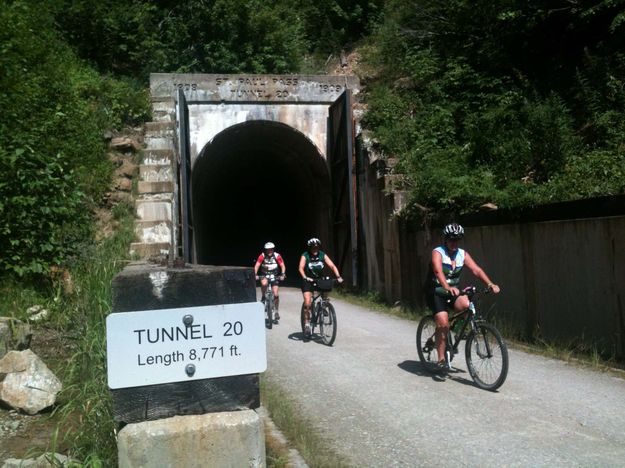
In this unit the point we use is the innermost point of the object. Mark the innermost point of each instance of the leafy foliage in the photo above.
(137, 37)
(53, 164)
(510, 102)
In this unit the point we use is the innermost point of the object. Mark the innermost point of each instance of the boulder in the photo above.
(127, 169)
(14, 335)
(125, 185)
(125, 144)
(28, 384)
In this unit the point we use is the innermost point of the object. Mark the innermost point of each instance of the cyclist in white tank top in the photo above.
(447, 263)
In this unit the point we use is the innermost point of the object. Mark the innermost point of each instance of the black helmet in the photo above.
(313, 242)
(453, 231)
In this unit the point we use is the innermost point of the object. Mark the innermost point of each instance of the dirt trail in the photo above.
(372, 398)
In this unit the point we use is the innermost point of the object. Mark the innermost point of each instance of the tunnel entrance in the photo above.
(255, 182)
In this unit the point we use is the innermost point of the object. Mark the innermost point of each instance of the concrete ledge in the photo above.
(159, 142)
(229, 439)
(145, 186)
(155, 172)
(162, 116)
(153, 210)
(149, 232)
(159, 153)
(158, 127)
(147, 249)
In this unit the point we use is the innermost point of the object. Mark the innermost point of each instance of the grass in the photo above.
(73, 342)
(298, 430)
(87, 407)
(87, 393)
(16, 298)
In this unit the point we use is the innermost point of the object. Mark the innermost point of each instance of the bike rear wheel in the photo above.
(269, 309)
(487, 357)
(327, 323)
(426, 342)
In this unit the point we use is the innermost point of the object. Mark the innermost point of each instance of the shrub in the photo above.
(53, 163)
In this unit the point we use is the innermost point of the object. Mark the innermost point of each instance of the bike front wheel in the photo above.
(327, 323)
(426, 342)
(487, 357)
(269, 309)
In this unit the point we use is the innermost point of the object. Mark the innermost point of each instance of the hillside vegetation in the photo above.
(511, 102)
(515, 102)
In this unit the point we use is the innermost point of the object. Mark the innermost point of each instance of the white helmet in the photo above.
(453, 231)
(313, 242)
(269, 245)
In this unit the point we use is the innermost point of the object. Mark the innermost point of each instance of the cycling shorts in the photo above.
(307, 286)
(438, 303)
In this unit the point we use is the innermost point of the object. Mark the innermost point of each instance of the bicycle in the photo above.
(486, 353)
(269, 298)
(322, 314)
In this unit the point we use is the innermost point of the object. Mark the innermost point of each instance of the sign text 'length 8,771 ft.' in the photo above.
(152, 347)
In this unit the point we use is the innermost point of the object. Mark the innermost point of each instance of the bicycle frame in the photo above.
(322, 313)
(472, 319)
(485, 351)
(272, 279)
(321, 296)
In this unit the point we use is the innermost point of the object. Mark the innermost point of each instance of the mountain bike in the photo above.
(322, 315)
(485, 352)
(269, 298)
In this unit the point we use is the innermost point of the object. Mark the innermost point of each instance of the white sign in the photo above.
(171, 345)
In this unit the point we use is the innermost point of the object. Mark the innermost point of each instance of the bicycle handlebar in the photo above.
(471, 291)
(273, 276)
(325, 287)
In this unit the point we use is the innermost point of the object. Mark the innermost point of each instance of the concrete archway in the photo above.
(259, 181)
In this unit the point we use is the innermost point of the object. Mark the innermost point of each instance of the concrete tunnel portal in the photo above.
(255, 182)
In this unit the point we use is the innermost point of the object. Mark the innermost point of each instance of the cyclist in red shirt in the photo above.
(270, 263)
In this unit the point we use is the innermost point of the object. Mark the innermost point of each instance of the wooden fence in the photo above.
(561, 267)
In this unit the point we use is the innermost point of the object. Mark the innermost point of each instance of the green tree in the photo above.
(53, 164)
(512, 102)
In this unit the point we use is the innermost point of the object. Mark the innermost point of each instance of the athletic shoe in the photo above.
(441, 369)
(307, 330)
(276, 315)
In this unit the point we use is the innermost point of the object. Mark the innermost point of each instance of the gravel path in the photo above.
(370, 395)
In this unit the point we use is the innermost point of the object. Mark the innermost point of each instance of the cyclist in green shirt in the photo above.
(311, 266)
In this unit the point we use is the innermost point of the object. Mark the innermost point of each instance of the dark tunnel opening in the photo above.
(256, 182)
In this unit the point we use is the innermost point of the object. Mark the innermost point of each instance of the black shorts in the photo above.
(438, 303)
(307, 286)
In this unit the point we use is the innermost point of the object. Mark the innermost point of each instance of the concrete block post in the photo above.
(207, 422)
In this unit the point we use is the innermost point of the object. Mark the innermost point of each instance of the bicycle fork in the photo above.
(483, 344)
